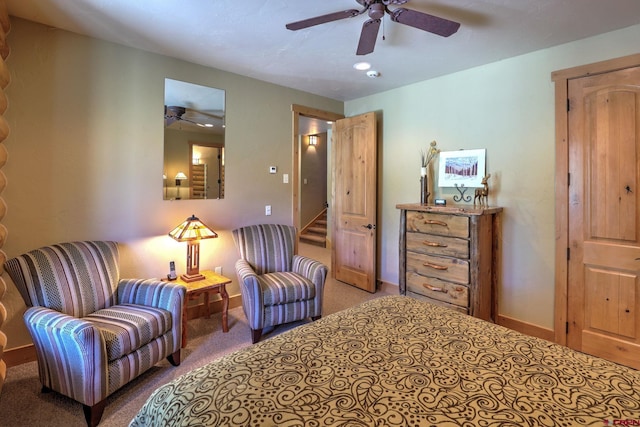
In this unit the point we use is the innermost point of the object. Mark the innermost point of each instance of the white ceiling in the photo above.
(203, 106)
(248, 37)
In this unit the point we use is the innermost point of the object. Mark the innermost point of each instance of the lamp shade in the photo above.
(180, 176)
(192, 229)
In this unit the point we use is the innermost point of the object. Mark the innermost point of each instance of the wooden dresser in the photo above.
(450, 255)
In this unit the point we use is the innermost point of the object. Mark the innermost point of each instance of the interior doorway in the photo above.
(305, 120)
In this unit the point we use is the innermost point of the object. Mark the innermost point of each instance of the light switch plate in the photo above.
(267, 210)
(285, 178)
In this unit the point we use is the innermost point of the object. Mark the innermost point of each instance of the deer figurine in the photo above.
(482, 194)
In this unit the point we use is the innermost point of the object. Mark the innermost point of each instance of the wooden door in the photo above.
(353, 253)
(604, 235)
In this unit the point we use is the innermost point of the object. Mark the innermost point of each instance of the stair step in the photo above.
(317, 230)
(321, 222)
(314, 239)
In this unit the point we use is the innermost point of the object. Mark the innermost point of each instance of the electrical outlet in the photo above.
(218, 270)
(267, 210)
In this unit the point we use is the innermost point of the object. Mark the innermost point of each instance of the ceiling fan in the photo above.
(174, 113)
(376, 10)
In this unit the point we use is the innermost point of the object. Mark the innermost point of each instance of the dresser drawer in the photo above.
(443, 225)
(432, 244)
(463, 310)
(451, 269)
(438, 289)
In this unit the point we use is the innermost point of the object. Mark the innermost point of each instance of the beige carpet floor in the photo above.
(22, 403)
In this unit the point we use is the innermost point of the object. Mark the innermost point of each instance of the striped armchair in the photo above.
(94, 332)
(277, 286)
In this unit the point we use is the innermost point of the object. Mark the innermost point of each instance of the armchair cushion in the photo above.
(285, 287)
(128, 327)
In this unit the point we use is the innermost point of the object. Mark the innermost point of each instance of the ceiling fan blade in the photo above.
(422, 21)
(193, 122)
(173, 110)
(191, 112)
(368, 37)
(305, 23)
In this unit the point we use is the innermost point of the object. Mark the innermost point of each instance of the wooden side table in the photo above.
(212, 283)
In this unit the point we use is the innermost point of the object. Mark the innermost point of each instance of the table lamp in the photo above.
(179, 178)
(192, 230)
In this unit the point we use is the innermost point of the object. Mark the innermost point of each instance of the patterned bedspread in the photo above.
(396, 361)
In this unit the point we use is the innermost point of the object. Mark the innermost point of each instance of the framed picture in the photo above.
(462, 167)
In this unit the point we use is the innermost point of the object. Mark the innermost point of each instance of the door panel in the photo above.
(611, 140)
(608, 298)
(354, 201)
(604, 161)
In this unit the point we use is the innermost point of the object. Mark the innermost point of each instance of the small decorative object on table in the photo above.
(426, 157)
(482, 194)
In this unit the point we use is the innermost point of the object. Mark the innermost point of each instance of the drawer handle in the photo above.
(434, 244)
(434, 222)
(435, 289)
(436, 266)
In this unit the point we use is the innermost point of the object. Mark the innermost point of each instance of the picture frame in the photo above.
(462, 168)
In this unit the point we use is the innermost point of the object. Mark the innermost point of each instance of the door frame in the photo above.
(297, 111)
(561, 80)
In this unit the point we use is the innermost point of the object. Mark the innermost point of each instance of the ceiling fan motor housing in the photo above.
(376, 11)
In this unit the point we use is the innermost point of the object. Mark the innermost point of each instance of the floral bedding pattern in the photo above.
(396, 361)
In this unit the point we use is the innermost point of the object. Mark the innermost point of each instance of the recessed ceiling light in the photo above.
(362, 66)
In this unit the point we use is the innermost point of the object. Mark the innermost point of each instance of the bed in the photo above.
(397, 361)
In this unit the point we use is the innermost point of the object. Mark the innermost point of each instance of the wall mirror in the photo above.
(194, 128)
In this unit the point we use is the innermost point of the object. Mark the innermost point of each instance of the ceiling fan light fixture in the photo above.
(362, 66)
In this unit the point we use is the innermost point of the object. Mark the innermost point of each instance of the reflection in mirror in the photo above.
(194, 130)
(206, 170)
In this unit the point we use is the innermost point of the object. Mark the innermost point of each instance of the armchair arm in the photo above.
(152, 293)
(156, 293)
(314, 271)
(311, 269)
(252, 298)
(72, 356)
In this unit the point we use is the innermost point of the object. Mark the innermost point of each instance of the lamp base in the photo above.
(191, 277)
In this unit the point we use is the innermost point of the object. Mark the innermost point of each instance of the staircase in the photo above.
(316, 232)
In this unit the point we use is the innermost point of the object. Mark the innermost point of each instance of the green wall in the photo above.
(507, 108)
(86, 154)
